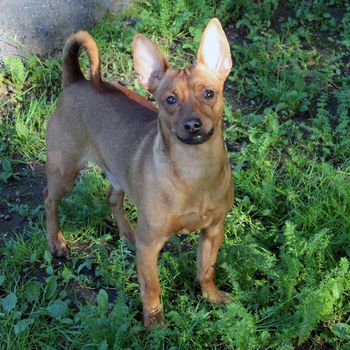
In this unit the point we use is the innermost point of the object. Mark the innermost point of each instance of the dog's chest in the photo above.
(188, 201)
(192, 208)
(191, 222)
(201, 213)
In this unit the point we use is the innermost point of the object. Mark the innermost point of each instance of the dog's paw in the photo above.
(217, 297)
(223, 298)
(152, 318)
(58, 246)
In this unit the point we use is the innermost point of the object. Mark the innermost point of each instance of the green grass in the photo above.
(285, 258)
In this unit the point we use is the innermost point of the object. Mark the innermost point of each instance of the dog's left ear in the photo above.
(214, 51)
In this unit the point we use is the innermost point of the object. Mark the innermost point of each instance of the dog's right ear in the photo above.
(149, 63)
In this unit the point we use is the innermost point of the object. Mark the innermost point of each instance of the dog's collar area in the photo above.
(197, 139)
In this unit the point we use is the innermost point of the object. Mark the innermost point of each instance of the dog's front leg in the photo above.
(210, 242)
(147, 250)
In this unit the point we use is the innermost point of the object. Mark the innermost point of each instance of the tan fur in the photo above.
(177, 187)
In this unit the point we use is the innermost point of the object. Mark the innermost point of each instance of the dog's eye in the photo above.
(209, 94)
(171, 100)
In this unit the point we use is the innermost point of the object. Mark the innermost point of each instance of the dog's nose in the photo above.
(193, 125)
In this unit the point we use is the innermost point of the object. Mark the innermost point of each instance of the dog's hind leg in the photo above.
(115, 199)
(60, 180)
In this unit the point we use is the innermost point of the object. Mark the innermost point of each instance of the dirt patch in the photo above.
(21, 199)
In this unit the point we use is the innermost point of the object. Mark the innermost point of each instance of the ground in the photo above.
(20, 196)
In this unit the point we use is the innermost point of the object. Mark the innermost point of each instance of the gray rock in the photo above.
(41, 26)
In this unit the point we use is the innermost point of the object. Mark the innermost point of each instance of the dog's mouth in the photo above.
(196, 139)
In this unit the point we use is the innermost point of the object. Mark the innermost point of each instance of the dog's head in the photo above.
(190, 100)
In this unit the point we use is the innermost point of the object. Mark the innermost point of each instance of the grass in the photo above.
(285, 258)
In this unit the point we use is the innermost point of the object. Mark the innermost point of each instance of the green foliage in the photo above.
(285, 258)
(181, 22)
(31, 89)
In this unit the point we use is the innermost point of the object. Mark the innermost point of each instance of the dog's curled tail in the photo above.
(71, 67)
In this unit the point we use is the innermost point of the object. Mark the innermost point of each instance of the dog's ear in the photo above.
(214, 51)
(149, 63)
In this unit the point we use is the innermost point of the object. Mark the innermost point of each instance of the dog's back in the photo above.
(94, 107)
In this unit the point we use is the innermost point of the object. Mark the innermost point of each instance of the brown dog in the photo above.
(172, 163)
